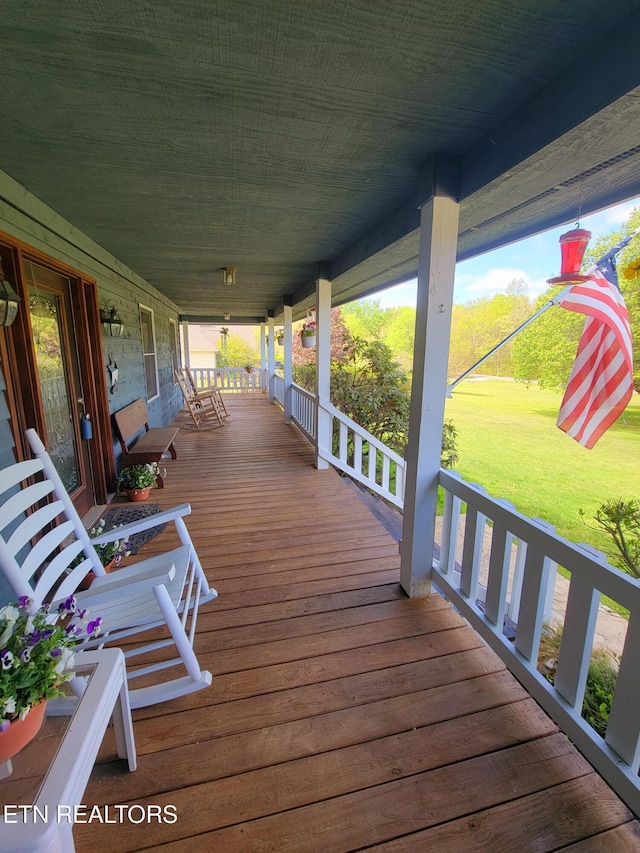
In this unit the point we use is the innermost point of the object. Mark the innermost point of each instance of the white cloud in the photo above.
(399, 295)
(612, 217)
(469, 287)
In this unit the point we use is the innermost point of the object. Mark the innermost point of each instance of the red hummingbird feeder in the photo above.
(572, 247)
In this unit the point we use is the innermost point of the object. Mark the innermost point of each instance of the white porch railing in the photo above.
(617, 756)
(277, 388)
(358, 453)
(303, 411)
(229, 379)
(363, 457)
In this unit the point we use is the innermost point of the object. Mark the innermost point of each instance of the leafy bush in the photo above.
(235, 352)
(621, 521)
(372, 390)
(449, 455)
(601, 678)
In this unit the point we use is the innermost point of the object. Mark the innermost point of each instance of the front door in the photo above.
(53, 369)
(61, 392)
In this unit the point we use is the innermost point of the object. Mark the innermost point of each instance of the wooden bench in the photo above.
(150, 447)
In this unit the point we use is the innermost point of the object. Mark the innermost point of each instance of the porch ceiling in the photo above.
(290, 139)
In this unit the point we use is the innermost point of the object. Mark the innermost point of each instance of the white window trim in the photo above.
(174, 332)
(155, 350)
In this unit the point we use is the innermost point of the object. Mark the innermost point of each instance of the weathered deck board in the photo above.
(342, 715)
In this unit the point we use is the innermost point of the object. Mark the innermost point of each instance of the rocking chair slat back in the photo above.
(38, 520)
(24, 500)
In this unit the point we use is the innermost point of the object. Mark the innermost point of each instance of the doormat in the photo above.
(117, 515)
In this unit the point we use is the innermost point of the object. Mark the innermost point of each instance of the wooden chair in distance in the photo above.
(209, 389)
(203, 408)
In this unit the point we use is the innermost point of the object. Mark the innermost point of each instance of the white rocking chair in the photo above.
(38, 523)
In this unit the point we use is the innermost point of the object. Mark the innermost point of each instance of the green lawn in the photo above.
(509, 443)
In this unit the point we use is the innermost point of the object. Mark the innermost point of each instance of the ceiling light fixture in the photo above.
(229, 276)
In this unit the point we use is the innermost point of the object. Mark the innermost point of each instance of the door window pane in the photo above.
(53, 371)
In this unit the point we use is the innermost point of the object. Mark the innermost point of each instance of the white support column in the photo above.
(436, 268)
(323, 368)
(264, 378)
(288, 365)
(271, 361)
(185, 343)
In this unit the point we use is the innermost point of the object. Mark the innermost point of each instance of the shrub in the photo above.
(621, 521)
(601, 678)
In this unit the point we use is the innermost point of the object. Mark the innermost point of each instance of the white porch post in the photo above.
(271, 365)
(436, 268)
(263, 347)
(323, 359)
(288, 366)
(185, 343)
(264, 378)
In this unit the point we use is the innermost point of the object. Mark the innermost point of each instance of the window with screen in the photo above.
(149, 351)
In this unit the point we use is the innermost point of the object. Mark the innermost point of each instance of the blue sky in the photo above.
(535, 260)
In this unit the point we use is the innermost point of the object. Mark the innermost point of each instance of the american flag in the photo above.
(601, 381)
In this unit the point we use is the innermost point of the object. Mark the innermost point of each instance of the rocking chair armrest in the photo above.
(129, 580)
(126, 530)
(203, 394)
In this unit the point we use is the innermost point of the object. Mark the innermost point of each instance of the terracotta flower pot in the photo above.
(138, 494)
(88, 579)
(20, 732)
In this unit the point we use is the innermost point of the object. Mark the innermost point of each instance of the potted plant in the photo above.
(279, 336)
(248, 367)
(36, 659)
(137, 480)
(110, 553)
(308, 335)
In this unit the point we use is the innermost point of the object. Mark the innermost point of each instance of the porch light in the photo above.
(227, 317)
(111, 322)
(9, 300)
(572, 246)
(229, 276)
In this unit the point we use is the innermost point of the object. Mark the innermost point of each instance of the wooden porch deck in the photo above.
(342, 715)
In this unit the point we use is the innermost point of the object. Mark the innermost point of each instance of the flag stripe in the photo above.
(601, 380)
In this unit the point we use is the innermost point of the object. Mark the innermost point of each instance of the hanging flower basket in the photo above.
(308, 334)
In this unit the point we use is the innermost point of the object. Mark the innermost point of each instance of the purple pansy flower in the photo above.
(93, 627)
